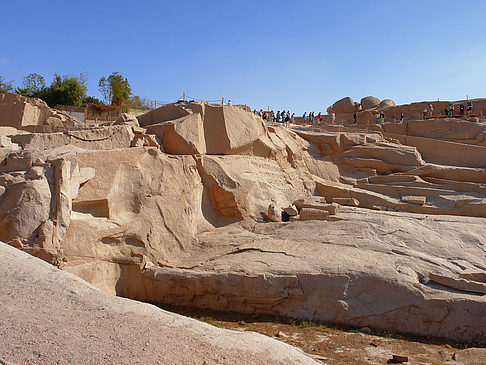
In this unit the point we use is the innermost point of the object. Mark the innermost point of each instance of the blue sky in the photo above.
(298, 55)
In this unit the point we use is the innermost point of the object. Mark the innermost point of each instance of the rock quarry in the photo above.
(207, 206)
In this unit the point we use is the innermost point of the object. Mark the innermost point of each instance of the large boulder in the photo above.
(123, 331)
(224, 130)
(344, 106)
(369, 102)
(163, 114)
(19, 111)
(183, 136)
(386, 103)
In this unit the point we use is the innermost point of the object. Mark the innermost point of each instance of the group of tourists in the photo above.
(311, 119)
(283, 116)
(464, 109)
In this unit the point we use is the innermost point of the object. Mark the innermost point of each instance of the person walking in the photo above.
(382, 117)
(377, 116)
(469, 107)
(292, 118)
(319, 117)
(461, 109)
(431, 109)
(451, 109)
(304, 116)
(424, 114)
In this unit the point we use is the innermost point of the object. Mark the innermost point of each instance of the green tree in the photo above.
(65, 90)
(33, 84)
(92, 100)
(115, 89)
(5, 86)
(138, 102)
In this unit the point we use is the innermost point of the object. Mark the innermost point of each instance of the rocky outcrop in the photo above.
(72, 322)
(369, 102)
(200, 195)
(19, 111)
(343, 106)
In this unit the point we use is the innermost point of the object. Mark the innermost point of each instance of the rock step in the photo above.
(397, 190)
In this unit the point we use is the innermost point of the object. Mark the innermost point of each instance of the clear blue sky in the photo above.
(302, 55)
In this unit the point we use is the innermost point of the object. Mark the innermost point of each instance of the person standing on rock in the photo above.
(451, 109)
(304, 116)
(230, 103)
(292, 118)
(469, 107)
(461, 109)
(401, 117)
(382, 117)
(431, 109)
(319, 117)
(377, 117)
(424, 114)
(355, 116)
(333, 117)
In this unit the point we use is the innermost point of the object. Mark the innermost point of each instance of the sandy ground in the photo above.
(48, 316)
(338, 345)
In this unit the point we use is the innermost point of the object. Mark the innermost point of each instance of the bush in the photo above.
(115, 89)
(5, 86)
(65, 90)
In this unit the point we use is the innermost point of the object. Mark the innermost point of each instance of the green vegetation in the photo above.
(5, 86)
(66, 90)
(115, 89)
(32, 85)
(71, 90)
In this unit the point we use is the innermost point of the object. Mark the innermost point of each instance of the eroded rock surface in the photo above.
(175, 208)
(50, 316)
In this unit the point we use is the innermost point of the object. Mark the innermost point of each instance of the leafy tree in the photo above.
(5, 86)
(138, 102)
(115, 89)
(92, 100)
(32, 85)
(65, 90)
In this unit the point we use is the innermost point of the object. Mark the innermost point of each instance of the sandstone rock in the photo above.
(126, 119)
(459, 284)
(80, 316)
(419, 200)
(291, 210)
(163, 114)
(386, 103)
(399, 358)
(307, 214)
(346, 201)
(473, 275)
(183, 136)
(369, 102)
(343, 106)
(274, 213)
(171, 227)
(294, 218)
(19, 111)
(310, 202)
